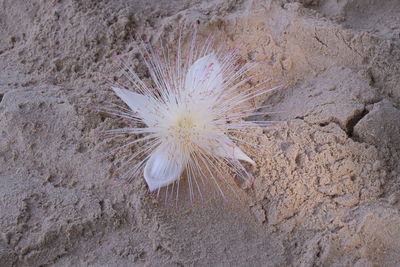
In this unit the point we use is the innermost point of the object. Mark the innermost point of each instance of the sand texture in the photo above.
(327, 183)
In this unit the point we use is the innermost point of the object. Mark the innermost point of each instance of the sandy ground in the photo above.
(327, 188)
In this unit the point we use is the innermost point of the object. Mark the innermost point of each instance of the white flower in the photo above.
(188, 117)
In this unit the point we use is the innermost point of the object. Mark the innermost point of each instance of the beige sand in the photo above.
(327, 187)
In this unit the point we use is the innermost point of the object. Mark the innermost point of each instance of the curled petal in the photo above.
(162, 169)
(204, 75)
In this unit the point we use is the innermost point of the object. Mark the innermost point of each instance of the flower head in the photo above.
(188, 117)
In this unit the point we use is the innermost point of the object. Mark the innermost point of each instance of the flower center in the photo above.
(184, 131)
(186, 123)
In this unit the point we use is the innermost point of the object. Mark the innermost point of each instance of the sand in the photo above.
(327, 184)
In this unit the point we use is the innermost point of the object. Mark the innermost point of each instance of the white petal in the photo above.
(240, 155)
(204, 75)
(161, 169)
(230, 150)
(136, 102)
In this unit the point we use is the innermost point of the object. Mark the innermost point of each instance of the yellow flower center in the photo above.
(186, 123)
